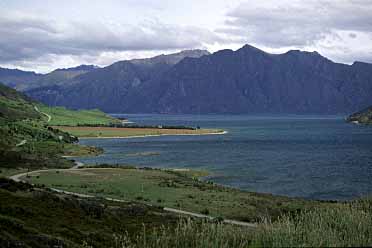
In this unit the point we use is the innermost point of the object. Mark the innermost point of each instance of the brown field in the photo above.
(114, 132)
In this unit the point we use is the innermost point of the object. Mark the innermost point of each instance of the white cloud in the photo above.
(27, 38)
(303, 24)
(39, 36)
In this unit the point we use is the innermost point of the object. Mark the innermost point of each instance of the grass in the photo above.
(172, 189)
(96, 132)
(65, 117)
(6, 172)
(190, 234)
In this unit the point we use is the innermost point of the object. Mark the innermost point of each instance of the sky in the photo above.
(42, 35)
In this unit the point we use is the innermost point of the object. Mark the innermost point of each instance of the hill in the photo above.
(27, 141)
(14, 105)
(362, 117)
(244, 81)
(24, 80)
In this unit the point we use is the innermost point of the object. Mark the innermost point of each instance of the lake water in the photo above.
(317, 157)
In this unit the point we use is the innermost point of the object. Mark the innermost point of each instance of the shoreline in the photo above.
(154, 135)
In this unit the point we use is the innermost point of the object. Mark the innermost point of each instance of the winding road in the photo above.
(21, 143)
(49, 117)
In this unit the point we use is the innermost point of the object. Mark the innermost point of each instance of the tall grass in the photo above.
(190, 234)
(348, 224)
(340, 225)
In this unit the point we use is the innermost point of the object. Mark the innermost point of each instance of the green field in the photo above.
(61, 116)
(171, 189)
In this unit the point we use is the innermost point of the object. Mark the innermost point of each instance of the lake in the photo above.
(315, 157)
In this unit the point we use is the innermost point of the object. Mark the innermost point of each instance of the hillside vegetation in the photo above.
(35, 217)
(26, 139)
(15, 106)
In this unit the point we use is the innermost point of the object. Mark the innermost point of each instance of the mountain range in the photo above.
(247, 80)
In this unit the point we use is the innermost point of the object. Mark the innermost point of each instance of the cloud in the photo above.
(296, 23)
(43, 37)
(25, 37)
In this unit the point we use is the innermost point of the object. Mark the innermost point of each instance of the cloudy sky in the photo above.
(42, 35)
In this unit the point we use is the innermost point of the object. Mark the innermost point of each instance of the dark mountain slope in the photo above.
(60, 76)
(244, 81)
(17, 78)
(250, 80)
(106, 88)
(25, 80)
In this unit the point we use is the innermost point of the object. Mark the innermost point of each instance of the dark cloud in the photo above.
(352, 35)
(25, 38)
(297, 23)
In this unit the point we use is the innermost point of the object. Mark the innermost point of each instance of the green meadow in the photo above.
(174, 189)
(60, 116)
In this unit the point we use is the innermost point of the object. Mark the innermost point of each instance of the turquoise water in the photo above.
(317, 157)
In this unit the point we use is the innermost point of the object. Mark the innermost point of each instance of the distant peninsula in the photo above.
(362, 117)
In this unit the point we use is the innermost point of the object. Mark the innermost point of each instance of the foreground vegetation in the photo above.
(175, 189)
(35, 217)
(342, 225)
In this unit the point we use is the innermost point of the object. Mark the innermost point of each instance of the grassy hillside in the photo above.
(26, 140)
(173, 189)
(61, 116)
(362, 117)
(15, 106)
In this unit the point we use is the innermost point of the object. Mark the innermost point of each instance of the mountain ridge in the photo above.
(247, 80)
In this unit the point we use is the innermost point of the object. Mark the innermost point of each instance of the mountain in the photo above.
(59, 76)
(170, 59)
(80, 68)
(363, 117)
(15, 78)
(106, 88)
(244, 81)
(25, 80)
